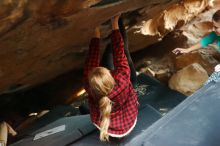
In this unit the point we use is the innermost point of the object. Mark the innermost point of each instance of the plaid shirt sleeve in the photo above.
(122, 70)
(92, 59)
(119, 57)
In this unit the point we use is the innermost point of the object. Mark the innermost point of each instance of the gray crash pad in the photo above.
(146, 116)
(157, 94)
(53, 115)
(75, 128)
(80, 131)
(194, 122)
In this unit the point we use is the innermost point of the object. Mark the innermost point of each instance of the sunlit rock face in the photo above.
(199, 27)
(192, 17)
(40, 40)
(168, 19)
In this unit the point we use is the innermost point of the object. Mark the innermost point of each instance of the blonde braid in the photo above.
(105, 110)
(102, 83)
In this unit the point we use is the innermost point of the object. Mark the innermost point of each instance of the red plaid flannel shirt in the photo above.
(125, 105)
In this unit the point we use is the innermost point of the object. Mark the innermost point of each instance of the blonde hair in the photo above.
(102, 83)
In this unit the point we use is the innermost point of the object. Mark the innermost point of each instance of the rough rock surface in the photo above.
(189, 79)
(40, 40)
(205, 60)
(199, 27)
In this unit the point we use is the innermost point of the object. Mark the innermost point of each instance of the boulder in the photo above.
(205, 60)
(189, 79)
(40, 40)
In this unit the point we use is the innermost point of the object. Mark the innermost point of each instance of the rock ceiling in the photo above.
(40, 40)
